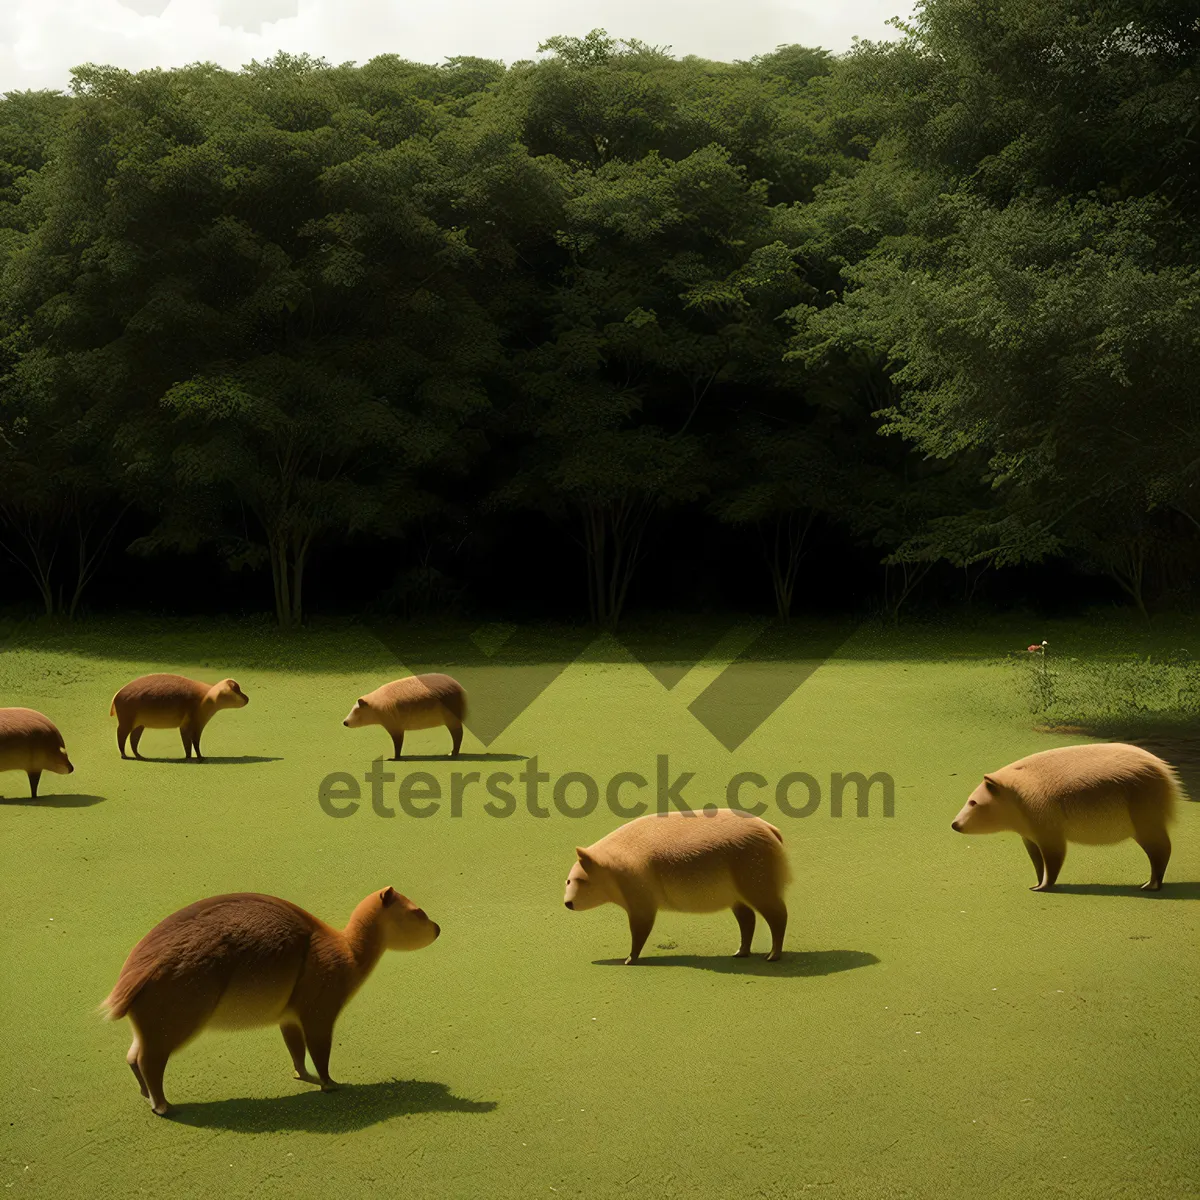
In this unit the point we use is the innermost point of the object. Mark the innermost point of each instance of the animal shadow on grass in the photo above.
(794, 963)
(72, 800)
(1170, 891)
(351, 1107)
(463, 758)
(245, 758)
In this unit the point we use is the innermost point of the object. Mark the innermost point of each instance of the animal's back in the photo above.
(24, 732)
(250, 946)
(701, 862)
(165, 696)
(26, 722)
(1095, 791)
(421, 696)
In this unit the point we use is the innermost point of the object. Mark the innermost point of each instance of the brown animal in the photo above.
(171, 702)
(1094, 795)
(698, 862)
(245, 960)
(417, 702)
(31, 743)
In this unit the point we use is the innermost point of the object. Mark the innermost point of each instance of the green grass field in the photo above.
(934, 1029)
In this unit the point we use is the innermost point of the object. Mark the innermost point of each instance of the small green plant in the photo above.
(1093, 690)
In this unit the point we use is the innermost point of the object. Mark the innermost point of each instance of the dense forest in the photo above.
(914, 325)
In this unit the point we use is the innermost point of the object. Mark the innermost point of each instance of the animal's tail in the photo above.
(118, 1001)
(1173, 792)
(456, 703)
(782, 865)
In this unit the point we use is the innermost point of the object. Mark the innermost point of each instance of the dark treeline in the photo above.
(915, 324)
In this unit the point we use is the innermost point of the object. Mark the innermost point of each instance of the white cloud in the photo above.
(41, 40)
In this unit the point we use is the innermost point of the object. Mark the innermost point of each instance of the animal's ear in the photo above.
(990, 784)
(359, 701)
(585, 859)
(388, 896)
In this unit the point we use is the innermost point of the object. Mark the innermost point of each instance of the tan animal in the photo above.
(698, 862)
(171, 702)
(31, 743)
(245, 960)
(416, 702)
(1094, 795)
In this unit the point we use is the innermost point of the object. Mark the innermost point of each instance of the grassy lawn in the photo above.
(934, 1029)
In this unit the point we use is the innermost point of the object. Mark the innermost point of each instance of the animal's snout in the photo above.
(437, 930)
(954, 826)
(569, 904)
(70, 767)
(346, 722)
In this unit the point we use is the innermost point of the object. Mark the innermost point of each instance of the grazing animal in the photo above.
(697, 862)
(1095, 795)
(31, 743)
(416, 702)
(245, 960)
(171, 702)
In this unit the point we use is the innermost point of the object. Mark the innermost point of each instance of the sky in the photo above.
(41, 40)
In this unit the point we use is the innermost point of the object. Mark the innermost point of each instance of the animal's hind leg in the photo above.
(456, 732)
(745, 920)
(1158, 851)
(397, 745)
(135, 737)
(775, 915)
(185, 736)
(1150, 832)
(151, 1066)
(132, 1059)
(293, 1036)
(34, 776)
(123, 732)
(165, 1016)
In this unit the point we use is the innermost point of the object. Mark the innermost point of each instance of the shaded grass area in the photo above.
(670, 639)
(934, 1028)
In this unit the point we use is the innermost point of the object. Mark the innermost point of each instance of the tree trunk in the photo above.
(613, 539)
(280, 572)
(786, 552)
(1128, 568)
(88, 561)
(37, 557)
(298, 574)
(911, 575)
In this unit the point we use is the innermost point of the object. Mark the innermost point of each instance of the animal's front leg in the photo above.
(1035, 856)
(1053, 855)
(318, 1034)
(641, 922)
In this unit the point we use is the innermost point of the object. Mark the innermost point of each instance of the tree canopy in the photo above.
(929, 307)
